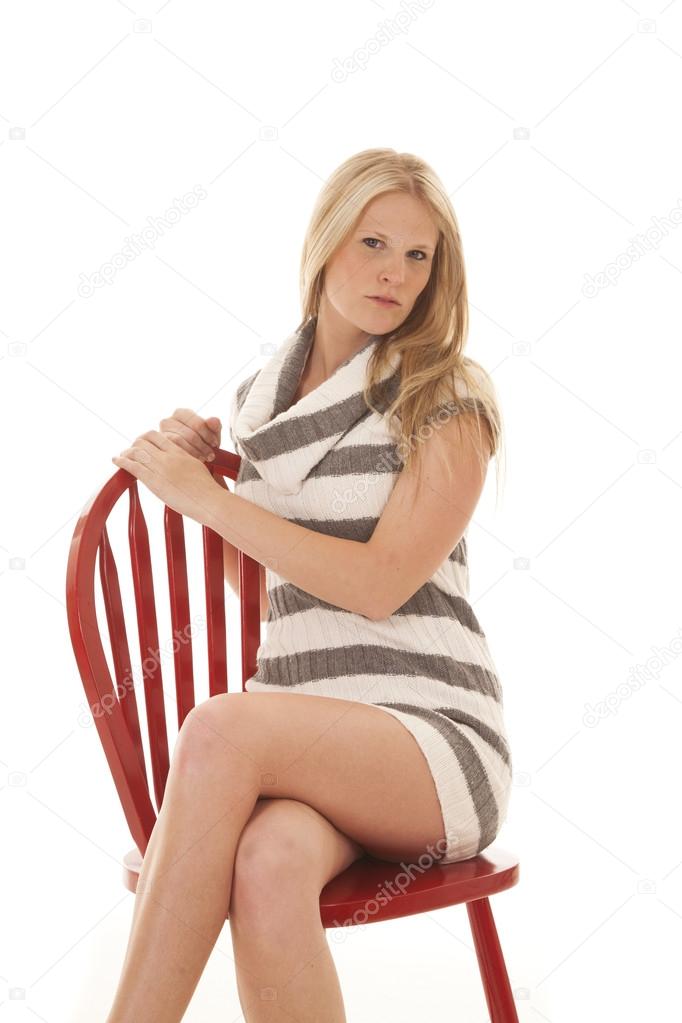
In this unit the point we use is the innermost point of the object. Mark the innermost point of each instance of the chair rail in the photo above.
(113, 704)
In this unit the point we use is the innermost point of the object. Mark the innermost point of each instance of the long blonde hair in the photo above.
(431, 340)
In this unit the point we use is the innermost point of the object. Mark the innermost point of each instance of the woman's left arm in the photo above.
(338, 571)
(419, 526)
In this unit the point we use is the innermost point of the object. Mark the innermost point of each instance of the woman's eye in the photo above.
(422, 254)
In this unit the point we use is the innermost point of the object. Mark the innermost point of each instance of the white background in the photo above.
(555, 130)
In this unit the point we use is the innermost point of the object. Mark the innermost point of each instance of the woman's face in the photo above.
(390, 252)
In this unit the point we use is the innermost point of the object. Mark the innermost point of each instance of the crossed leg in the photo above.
(354, 764)
(286, 855)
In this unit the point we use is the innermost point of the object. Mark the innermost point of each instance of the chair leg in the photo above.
(498, 993)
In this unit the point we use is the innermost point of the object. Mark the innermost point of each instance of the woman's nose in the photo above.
(394, 268)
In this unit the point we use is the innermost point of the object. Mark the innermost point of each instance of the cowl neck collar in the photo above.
(285, 443)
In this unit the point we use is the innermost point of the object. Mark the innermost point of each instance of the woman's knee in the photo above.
(203, 733)
(281, 857)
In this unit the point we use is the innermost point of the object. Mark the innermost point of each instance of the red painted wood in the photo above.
(125, 682)
(148, 636)
(216, 637)
(178, 589)
(118, 742)
(498, 992)
(369, 890)
(360, 891)
(249, 606)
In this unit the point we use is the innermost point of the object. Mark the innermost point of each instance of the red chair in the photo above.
(346, 898)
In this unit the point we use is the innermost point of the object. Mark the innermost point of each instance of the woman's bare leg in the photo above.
(232, 749)
(183, 891)
(285, 971)
(286, 855)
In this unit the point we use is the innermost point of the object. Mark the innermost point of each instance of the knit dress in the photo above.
(329, 463)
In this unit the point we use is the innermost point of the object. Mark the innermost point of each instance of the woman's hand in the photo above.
(196, 436)
(176, 477)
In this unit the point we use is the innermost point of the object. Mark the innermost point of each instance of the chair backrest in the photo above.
(114, 704)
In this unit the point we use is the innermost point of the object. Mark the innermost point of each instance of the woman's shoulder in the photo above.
(471, 376)
(466, 387)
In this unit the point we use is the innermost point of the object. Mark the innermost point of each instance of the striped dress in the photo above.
(329, 463)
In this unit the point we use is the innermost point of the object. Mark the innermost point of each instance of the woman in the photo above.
(365, 441)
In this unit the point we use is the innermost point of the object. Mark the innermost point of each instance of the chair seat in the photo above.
(367, 891)
(370, 889)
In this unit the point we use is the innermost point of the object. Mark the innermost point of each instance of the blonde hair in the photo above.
(436, 379)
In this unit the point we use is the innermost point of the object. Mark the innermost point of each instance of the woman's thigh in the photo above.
(352, 762)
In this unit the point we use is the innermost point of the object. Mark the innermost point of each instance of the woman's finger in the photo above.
(181, 442)
(200, 449)
(185, 438)
(216, 428)
(196, 423)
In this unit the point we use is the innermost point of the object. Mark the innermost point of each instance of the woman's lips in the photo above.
(382, 301)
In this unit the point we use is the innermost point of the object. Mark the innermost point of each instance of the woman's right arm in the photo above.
(199, 437)
(231, 565)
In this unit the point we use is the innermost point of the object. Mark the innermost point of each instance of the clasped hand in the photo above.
(172, 469)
